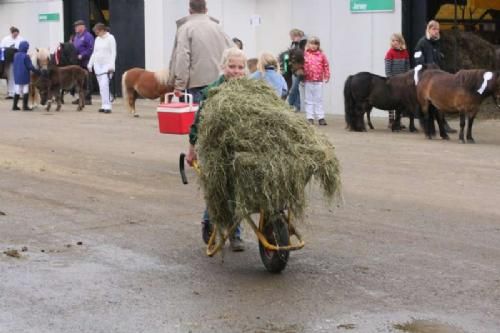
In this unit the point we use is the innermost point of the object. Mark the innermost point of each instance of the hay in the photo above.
(257, 154)
(473, 52)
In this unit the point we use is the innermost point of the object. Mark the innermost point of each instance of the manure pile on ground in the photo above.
(473, 52)
(257, 154)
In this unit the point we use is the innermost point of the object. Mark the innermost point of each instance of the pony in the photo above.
(364, 90)
(40, 57)
(65, 55)
(140, 82)
(57, 78)
(291, 63)
(6, 60)
(462, 92)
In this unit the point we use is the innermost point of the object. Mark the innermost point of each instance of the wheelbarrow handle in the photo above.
(182, 170)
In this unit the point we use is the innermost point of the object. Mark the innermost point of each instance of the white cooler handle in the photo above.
(189, 98)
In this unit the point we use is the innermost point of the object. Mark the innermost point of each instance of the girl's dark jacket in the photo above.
(428, 51)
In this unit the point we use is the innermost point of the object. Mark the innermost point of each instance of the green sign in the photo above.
(367, 6)
(48, 17)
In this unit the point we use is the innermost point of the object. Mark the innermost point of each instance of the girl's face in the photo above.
(434, 32)
(395, 43)
(235, 68)
(313, 46)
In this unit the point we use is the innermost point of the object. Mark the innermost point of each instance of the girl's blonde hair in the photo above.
(313, 40)
(232, 52)
(430, 25)
(267, 59)
(400, 39)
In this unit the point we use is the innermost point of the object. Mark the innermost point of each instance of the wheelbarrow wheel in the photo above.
(206, 231)
(276, 233)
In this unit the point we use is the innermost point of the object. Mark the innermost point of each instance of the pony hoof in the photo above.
(462, 141)
(471, 140)
(446, 137)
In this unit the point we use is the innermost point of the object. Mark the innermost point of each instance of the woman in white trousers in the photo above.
(102, 63)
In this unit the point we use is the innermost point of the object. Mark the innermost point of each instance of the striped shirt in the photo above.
(396, 62)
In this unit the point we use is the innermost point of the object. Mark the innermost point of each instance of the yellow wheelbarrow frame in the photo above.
(215, 245)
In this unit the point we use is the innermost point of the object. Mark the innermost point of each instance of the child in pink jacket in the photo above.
(317, 71)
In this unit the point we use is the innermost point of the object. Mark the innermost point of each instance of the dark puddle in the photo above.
(427, 326)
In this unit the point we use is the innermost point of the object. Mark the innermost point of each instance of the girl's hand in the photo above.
(191, 156)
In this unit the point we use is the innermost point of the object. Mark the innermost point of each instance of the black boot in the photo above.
(25, 103)
(448, 129)
(14, 104)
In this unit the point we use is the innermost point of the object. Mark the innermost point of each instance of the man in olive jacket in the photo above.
(199, 44)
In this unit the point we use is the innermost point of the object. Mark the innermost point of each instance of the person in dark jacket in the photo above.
(22, 68)
(84, 45)
(428, 51)
(296, 95)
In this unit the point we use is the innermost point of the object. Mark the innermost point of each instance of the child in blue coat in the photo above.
(22, 68)
(268, 69)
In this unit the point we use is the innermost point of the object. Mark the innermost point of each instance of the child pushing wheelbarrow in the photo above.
(254, 155)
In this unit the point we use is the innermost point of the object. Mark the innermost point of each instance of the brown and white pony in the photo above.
(462, 92)
(40, 57)
(140, 82)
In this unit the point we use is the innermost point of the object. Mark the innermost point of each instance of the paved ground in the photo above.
(415, 247)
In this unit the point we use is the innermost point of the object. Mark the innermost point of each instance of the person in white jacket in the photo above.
(102, 62)
(11, 40)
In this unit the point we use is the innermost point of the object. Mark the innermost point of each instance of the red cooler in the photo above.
(176, 117)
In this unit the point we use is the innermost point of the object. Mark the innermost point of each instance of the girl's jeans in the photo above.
(294, 96)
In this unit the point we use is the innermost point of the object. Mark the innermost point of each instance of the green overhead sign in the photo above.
(48, 17)
(368, 6)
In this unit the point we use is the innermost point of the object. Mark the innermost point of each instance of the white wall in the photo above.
(23, 14)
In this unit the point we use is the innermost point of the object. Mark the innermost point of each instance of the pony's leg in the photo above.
(57, 95)
(81, 96)
(462, 125)
(425, 119)
(396, 123)
(440, 120)
(413, 129)
(369, 119)
(132, 97)
(470, 139)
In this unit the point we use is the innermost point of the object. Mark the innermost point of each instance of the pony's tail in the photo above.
(125, 92)
(349, 104)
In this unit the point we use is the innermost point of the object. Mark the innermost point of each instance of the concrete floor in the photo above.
(415, 247)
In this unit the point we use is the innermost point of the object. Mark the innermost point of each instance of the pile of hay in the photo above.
(255, 153)
(473, 52)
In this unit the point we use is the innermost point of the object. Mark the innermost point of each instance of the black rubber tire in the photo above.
(276, 233)
(206, 232)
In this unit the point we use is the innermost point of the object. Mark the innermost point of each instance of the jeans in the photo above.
(294, 96)
(237, 231)
(196, 92)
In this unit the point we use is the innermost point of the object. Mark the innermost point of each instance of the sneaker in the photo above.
(107, 111)
(76, 102)
(9, 97)
(311, 121)
(102, 110)
(322, 122)
(236, 244)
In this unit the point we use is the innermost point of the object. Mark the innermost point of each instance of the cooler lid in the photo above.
(177, 105)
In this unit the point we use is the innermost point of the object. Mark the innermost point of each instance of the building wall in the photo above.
(24, 15)
(352, 42)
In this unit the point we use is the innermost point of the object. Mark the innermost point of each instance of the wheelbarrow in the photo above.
(274, 233)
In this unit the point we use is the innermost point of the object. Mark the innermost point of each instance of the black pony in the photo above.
(6, 59)
(65, 55)
(291, 63)
(365, 90)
